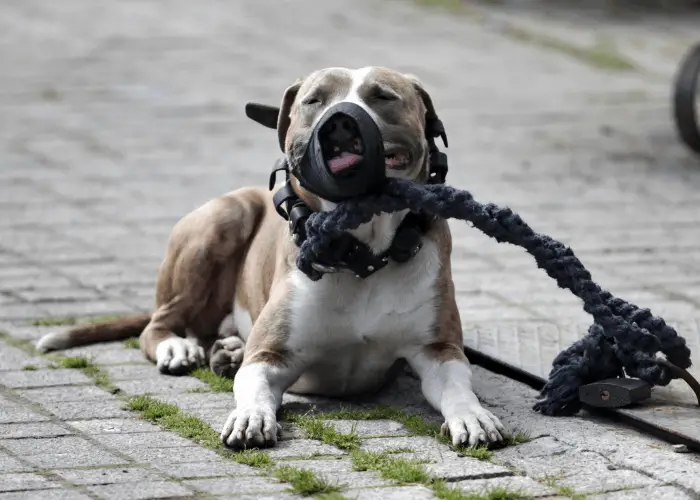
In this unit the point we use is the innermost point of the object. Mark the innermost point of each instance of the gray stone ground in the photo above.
(119, 117)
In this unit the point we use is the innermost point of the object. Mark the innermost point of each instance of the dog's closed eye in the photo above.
(312, 98)
(383, 94)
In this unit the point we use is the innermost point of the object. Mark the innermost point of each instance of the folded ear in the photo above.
(424, 96)
(263, 114)
(283, 119)
(433, 124)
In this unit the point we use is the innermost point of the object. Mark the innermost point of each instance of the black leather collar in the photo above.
(349, 252)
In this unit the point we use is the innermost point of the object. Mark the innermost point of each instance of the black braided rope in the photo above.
(623, 336)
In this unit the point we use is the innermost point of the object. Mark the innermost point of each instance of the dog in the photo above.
(229, 292)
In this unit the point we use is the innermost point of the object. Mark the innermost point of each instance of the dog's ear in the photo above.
(433, 124)
(424, 96)
(263, 114)
(283, 119)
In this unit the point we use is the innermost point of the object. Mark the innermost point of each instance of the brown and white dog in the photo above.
(229, 291)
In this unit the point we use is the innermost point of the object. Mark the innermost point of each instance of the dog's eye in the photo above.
(310, 101)
(381, 94)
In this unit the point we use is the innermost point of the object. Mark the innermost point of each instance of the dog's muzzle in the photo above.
(344, 157)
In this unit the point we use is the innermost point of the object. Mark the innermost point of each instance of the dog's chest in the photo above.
(391, 308)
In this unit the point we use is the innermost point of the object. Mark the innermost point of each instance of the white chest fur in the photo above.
(390, 308)
(349, 331)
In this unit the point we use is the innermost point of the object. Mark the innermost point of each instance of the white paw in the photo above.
(226, 356)
(176, 356)
(472, 426)
(252, 427)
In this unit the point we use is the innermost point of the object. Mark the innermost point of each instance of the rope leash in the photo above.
(622, 336)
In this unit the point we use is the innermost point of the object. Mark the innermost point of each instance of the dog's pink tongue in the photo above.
(345, 160)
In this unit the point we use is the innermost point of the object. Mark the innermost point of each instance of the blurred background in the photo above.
(119, 117)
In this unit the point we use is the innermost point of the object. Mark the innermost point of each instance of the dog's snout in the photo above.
(341, 130)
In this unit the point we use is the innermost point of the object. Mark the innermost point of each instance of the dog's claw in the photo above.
(472, 428)
(251, 428)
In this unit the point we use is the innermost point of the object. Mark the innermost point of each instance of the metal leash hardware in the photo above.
(623, 391)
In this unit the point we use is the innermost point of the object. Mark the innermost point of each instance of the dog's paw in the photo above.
(252, 427)
(176, 356)
(226, 356)
(473, 426)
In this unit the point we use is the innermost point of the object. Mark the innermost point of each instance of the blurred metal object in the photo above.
(614, 393)
(685, 99)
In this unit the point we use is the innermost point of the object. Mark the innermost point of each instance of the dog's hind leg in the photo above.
(172, 353)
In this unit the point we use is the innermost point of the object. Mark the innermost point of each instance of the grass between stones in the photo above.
(87, 367)
(565, 491)
(315, 427)
(301, 481)
(217, 383)
(73, 320)
(304, 482)
(415, 424)
(444, 492)
(132, 343)
(399, 470)
(406, 471)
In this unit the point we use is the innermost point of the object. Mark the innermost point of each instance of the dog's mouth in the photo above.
(345, 156)
(397, 158)
(341, 144)
(343, 148)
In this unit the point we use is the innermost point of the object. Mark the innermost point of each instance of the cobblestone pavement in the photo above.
(116, 118)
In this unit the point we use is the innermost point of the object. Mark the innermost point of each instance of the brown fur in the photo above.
(237, 245)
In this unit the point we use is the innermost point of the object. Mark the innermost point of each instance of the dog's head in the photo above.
(397, 102)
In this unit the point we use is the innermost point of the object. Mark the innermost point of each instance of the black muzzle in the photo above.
(344, 157)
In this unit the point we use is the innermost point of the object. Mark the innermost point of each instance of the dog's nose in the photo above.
(341, 132)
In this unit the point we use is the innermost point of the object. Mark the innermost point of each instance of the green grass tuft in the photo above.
(101, 319)
(416, 425)
(315, 427)
(76, 362)
(29, 368)
(69, 321)
(217, 383)
(22, 344)
(568, 491)
(189, 427)
(517, 437)
(132, 343)
(304, 482)
(445, 492)
(479, 452)
(173, 419)
(332, 496)
(399, 470)
(72, 320)
(254, 458)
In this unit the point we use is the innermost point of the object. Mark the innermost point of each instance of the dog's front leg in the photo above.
(258, 388)
(445, 376)
(268, 369)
